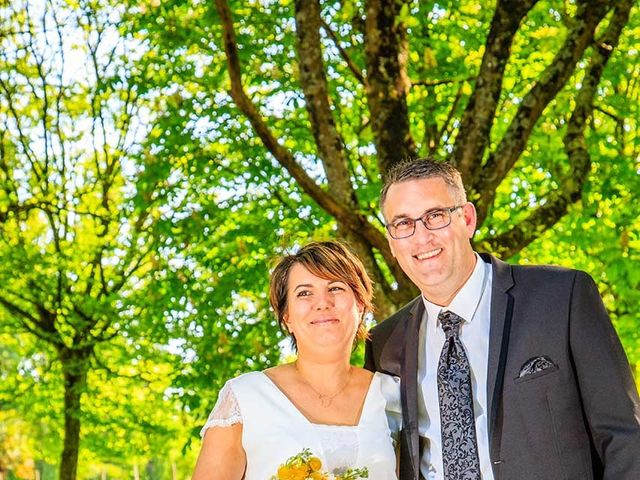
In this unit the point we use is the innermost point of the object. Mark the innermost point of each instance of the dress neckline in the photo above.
(293, 406)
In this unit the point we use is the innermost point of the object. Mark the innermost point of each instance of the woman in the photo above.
(320, 409)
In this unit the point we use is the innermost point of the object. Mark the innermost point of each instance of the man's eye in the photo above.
(403, 223)
(435, 216)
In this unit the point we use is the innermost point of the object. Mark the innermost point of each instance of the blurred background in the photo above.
(157, 156)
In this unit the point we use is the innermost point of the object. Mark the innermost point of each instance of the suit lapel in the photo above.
(400, 357)
(409, 390)
(501, 314)
(391, 356)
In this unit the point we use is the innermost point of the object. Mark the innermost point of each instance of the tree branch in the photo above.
(357, 72)
(314, 86)
(446, 129)
(617, 118)
(38, 327)
(347, 217)
(246, 106)
(24, 141)
(435, 83)
(350, 219)
(555, 76)
(476, 122)
(59, 96)
(545, 216)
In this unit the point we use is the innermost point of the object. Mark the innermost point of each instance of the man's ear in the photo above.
(470, 218)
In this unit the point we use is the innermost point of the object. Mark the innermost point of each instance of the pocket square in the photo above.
(535, 365)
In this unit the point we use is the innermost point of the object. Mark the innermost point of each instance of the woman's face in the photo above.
(321, 312)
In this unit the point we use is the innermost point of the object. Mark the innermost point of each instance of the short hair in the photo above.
(331, 260)
(417, 169)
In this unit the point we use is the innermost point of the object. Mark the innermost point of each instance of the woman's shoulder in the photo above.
(248, 378)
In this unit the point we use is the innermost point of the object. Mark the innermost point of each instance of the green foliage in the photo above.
(140, 210)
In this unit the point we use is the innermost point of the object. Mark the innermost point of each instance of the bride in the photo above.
(320, 416)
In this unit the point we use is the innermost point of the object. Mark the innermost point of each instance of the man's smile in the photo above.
(427, 255)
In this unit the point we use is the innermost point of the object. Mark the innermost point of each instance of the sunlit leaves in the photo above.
(143, 195)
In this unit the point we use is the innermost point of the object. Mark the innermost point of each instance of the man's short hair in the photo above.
(418, 169)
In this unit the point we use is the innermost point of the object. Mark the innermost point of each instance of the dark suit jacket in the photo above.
(578, 419)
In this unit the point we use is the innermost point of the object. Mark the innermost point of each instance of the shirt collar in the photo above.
(466, 300)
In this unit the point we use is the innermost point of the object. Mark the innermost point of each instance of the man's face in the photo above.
(437, 261)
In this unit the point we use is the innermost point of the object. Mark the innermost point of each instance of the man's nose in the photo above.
(422, 230)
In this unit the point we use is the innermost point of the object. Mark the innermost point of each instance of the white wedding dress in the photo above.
(273, 429)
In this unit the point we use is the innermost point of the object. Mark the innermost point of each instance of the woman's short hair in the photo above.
(331, 260)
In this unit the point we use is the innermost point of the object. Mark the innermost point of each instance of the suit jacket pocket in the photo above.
(535, 375)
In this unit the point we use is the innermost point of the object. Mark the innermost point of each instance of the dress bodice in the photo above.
(274, 429)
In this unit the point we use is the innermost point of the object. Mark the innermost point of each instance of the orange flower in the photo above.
(301, 472)
(284, 473)
(304, 466)
(293, 472)
(318, 476)
(314, 464)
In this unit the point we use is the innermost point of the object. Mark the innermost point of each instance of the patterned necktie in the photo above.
(457, 421)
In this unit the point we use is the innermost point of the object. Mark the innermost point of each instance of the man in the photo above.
(508, 372)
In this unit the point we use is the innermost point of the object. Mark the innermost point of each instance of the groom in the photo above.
(508, 372)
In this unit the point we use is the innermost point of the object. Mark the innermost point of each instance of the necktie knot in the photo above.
(450, 323)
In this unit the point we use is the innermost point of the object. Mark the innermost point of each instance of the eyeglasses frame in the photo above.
(449, 210)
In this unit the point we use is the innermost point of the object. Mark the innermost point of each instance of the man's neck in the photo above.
(444, 300)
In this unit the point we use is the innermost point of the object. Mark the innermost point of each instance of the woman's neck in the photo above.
(323, 375)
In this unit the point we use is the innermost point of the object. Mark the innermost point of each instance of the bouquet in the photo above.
(304, 466)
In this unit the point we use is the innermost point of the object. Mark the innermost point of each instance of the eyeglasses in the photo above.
(432, 220)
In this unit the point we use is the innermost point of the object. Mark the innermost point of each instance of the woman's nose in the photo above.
(323, 301)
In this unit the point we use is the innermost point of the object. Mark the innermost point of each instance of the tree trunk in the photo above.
(386, 51)
(74, 366)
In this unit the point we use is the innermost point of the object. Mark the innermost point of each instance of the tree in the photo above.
(335, 93)
(281, 119)
(77, 217)
(157, 156)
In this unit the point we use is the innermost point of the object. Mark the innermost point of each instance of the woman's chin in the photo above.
(326, 342)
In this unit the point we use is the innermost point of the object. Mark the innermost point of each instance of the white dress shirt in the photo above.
(473, 303)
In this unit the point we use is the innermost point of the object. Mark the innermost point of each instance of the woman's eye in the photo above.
(303, 293)
(337, 288)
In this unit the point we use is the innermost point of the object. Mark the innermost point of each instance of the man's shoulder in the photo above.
(544, 270)
(539, 274)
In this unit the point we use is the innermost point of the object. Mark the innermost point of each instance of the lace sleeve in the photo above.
(226, 411)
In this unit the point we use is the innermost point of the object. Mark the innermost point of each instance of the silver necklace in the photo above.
(325, 399)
